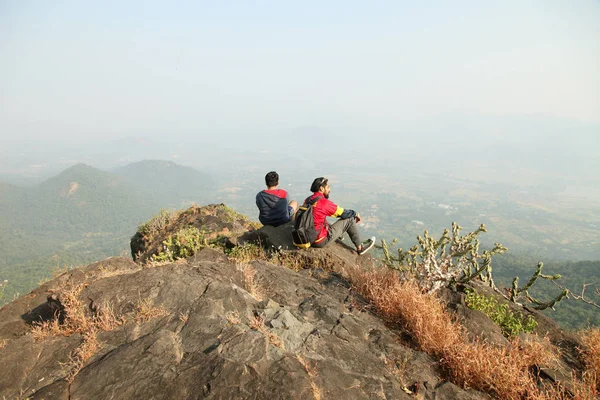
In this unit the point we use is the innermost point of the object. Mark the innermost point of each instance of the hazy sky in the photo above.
(115, 68)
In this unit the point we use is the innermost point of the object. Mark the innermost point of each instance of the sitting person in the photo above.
(272, 203)
(348, 219)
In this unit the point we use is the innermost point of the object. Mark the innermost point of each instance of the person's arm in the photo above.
(342, 213)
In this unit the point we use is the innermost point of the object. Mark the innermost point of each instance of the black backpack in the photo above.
(304, 232)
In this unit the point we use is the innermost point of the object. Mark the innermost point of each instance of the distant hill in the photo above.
(172, 185)
(85, 214)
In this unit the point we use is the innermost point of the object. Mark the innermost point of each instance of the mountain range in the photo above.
(84, 214)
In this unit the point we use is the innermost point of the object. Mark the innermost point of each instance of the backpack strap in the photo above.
(312, 202)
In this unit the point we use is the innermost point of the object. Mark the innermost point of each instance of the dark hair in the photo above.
(318, 183)
(272, 179)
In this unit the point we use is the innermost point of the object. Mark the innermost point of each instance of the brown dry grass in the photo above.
(184, 317)
(76, 321)
(591, 356)
(250, 283)
(504, 372)
(233, 317)
(145, 310)
(258, 324)
(89, 346)
(311, 371)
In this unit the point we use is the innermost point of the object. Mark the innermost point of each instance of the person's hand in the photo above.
(357, 218)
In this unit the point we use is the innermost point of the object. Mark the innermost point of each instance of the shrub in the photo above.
(157, 223)
(511, 323)
(503, 372)
(247, 252)
(185, 243)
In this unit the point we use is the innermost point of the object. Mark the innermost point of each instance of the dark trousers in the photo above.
(337, 230)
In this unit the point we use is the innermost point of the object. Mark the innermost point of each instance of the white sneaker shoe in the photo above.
(367, 245)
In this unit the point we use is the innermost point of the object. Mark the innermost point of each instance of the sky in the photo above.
(113, 69)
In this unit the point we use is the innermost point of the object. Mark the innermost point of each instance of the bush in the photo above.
(247, 252)
(185, 243)
(511, 323)
(157, 223)
(502, 372)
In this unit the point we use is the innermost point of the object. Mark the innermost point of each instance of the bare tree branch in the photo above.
(581, 297)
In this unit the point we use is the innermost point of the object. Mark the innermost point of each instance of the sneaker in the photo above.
(366, 245)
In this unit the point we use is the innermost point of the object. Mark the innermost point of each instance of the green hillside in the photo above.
(172, 185)
(83, 215)
(569, 313)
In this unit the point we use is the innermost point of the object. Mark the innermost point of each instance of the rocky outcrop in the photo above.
(213, 327)
(227, 331)
(215, 221)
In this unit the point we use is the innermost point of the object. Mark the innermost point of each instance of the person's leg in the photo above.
(294, 205)
(341, 226)
(292, 209)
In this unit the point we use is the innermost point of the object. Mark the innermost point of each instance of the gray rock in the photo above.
(206, 328)
(208, 344)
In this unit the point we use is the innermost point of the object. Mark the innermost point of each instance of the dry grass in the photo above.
(250, 283)
(58, 271)
(89, 346)
(145, 310)
(184, 317)
(291, 260)
(233, 317)
(503, 372)
(106, 319)
(311, 371)
(258, 324)
(76, 321)
(42, 330)
(591, 356)
(248, 252)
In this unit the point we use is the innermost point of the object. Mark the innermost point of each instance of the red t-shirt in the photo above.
(322, 209)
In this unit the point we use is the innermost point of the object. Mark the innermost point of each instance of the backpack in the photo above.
(304, 232)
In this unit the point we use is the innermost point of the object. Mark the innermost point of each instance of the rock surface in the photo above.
(279, 334)
(212, 327)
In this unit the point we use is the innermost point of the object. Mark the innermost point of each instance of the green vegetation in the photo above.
(571, 313)
(170, 185)
(511, 323)
(438, 262)
(2, 289)
(434, 263)
(516, 291)
(157, 223)
(80, 216)
(185, 243)
(246, 252)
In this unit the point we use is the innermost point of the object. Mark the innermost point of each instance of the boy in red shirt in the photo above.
(348, 219)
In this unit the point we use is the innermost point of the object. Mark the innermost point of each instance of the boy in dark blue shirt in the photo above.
(272, 203)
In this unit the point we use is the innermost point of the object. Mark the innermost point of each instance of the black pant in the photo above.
(338, 229)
